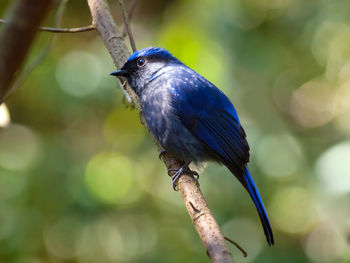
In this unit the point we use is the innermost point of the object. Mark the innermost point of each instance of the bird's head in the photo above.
(143, 65)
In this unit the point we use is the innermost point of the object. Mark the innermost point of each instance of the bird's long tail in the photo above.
(254, 194)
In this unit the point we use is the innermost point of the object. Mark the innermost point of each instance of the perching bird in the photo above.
(191, 118)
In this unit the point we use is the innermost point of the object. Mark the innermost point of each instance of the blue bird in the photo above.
(191, 118)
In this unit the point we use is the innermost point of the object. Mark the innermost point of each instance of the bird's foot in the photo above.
(162, 152)
(179, 173)
(195, 174)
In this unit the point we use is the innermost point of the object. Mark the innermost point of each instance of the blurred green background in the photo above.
(80, 180)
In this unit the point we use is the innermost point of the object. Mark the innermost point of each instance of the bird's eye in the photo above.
(141, 62)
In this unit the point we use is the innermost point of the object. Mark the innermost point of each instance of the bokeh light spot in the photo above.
(88, 247)
(342, 97)
(326, 32)
(248, 233)
(61, 237)
(4, 116)
(19, 149)
(112, 240)
(326, 244)
(333, 168)
(339, 53)
(278, 155)
(312, 104)
(342, 122)
(109, 177)
(119, 238)
(293, 210)
(78, 73)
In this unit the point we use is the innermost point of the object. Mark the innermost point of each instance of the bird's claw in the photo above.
(175, 177)
(161, 154)
(173, 182)
(195, 174)
(179, 173)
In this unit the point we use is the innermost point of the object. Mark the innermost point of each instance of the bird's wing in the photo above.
(209, 115)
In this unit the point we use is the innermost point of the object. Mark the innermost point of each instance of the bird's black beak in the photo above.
(119, 73)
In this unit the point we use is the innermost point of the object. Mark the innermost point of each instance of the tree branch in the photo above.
(17, 37)
(196, 205)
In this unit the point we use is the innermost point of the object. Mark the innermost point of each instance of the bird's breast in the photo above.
(167, 128)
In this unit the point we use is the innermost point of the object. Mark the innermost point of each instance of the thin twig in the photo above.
(126, 19)
(67, 30)
(130, 14)
(60, 30)
(245, 254)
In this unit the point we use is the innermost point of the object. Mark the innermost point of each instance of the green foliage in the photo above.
(80, 180)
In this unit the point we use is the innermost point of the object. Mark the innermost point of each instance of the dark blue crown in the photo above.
(151, 51)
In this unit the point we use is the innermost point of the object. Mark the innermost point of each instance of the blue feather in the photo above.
(217, 127)
(212, 119)
(254, 193)
(146, 52)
